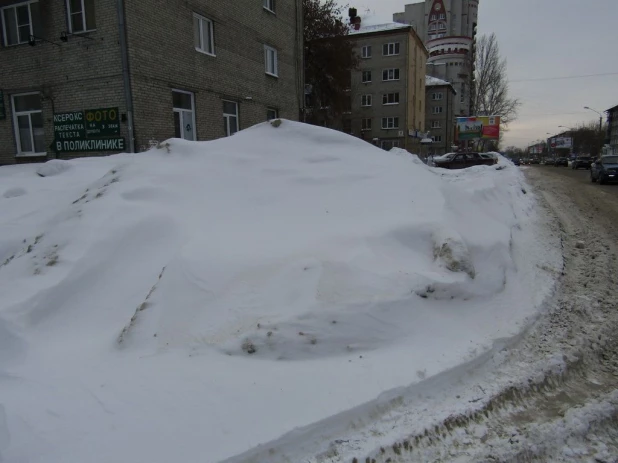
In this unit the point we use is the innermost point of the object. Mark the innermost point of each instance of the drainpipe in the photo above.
(124, 52)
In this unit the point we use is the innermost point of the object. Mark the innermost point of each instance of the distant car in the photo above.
(534, 161)
(517, 162)
(581, 162)
(561, 162)
(604, 170)
(462, 160)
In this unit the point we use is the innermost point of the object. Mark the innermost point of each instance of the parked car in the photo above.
(462, 160)
(561, 162)
(517, 162)
(490, 156)
(605, 169)
(581, 162)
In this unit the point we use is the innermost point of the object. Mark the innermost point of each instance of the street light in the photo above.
(600, 117)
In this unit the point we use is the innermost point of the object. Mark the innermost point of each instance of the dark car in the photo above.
(581, 162)
(517, 162)
(605, 169)
(462, 160)
(561, 162)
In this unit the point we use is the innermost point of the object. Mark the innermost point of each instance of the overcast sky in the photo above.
(545, 39)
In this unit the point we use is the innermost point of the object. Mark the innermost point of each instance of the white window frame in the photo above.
(30, 22)
(269, 5)
(227, 116)
(274, 69)
(83, 13)
(21, 153)
(394, 72)
(441, 26)
(436, 125)
(183, 110)
(202, 20)
(392, 120)
(366, 100)
(396, 48)
(436, 96)
(434, 17)
(363, 77)
(437, 110)
(432, 27)
(385, 96)
(366, 52)
(364, 126)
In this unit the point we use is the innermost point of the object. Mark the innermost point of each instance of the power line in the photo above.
(565, 77)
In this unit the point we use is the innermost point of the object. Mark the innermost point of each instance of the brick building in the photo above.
(388, 88)
(612, 130)
(80, 77)
(440, 114)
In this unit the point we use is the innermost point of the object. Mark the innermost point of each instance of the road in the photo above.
(580, 178)
(561, 402)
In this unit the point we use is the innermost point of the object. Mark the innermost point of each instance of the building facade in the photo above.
(448, 29)
(440, 98)
(80, 77)
(612, 130)
(388, 88)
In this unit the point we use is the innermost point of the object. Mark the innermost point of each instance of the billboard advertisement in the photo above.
(562, 142)
(479, 127)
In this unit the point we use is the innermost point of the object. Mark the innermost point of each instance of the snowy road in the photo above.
(551, 395)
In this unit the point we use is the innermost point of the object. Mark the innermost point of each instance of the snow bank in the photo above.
(14, 192)
(280, 276)
(53, 167)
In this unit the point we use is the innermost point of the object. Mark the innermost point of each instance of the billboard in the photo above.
(479, 127)
(562, 142)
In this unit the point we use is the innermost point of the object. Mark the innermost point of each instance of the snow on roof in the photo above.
(434, 81)
(379, 28)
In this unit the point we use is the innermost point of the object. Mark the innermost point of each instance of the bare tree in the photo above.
(491, 87)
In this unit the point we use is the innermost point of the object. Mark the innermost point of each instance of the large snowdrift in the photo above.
(192, 302)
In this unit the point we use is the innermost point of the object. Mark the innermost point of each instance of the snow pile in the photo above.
(279, 277)
(53, 167)
(14, 192)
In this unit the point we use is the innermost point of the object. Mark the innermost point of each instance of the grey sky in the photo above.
(545, 39)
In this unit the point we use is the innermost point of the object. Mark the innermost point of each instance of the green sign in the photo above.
(69, 126)
(2, 109)
(102, 122)
(89, 145)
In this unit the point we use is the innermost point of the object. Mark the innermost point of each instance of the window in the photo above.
(442, 16)
(389, 49)
(433, 17)
(432, 27)
(390, 123)
(366, 100)
(441, 26)
(28, 123)
(272, 113)
(347, 125)
(390, 74)
(184, 114)
(435, 124)
(269, 5)
(389, 144)
(437, 138)
(390, 98)
(436, 96)
(270, 57)
(437, 110)
(81, 15)
(204, 34)
(366, 76)
(366, 124)
(19, 22)
(366, 51)
(230, 118)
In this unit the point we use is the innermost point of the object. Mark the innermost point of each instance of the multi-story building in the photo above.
(388, 88)
(612, 129)
(448, 29)
(80, 77)
(440, 98)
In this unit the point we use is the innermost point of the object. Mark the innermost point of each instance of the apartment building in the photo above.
(388, 88)
(86, 77)
(448, 28)
(612, 130)
(440, 99)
